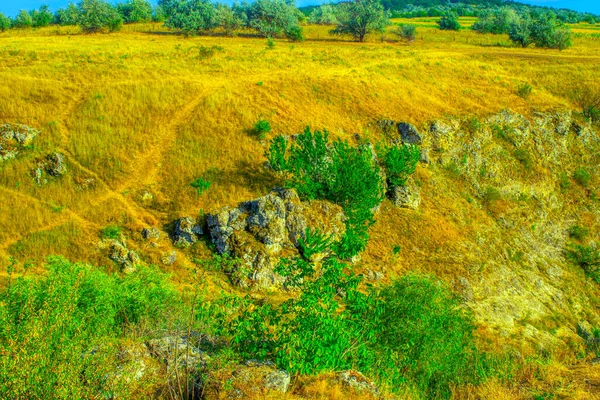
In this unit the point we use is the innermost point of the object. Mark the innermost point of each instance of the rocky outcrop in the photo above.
(150, 233)
(257, 378)
(409, 133)
(120, 254)
(186, 232)
(53, 165)
(13, 138)
(407, 196)
(261, 231)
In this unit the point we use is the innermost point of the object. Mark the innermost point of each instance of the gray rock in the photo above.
(357, 381)
(13, 138)
(440, 128)
(261, 376)
(186, 231)
(169, 258)
(150, 233)
(55, 164)
(125, 258)
(408, 196)
(425, 156)
(408, 133)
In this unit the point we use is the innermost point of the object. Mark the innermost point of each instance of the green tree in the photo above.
(548, 32)
(324, 15)
(42, 17)
(273, 18)
(134, 11)
(358, 18)
(520, 32)
(4, 22)
(229, 19)
(449, 22)
(192, 17)
(98, 16)
(67, 16)
(22, 20)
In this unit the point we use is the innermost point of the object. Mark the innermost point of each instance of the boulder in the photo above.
(125, 258)
(257, 378)
(186, 232)
(150, 233)
(409, 133)
(53, 165)
(261, 231)
(169, 258)
(13, 137)
(358, 382)
(407, 196)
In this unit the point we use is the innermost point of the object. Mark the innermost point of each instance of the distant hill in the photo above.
(400, 4)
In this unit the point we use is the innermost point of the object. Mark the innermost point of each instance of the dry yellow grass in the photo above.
(144, 111)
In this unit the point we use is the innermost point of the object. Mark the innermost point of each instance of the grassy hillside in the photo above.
(142, 113)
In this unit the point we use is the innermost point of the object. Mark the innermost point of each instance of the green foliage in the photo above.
(524, 90)
(314, 243)
(587, 257)
(524, 158)
(519, 32)
(407, 32)
(4, 22)
(201, 185)
(325, 14)
(548, 32)
(98, 16)
(449, 22)
(588, 98)
(578, 232)
(273, 18)
(42, 17)
(67, 16)
(399, 162)
(192, 17)
(111, 232)
(564, 182)
(58, 331)
(229, 19)
(336, 172)
(582, 176)
(498, 21)
(261, 128)
(491, 194)
(358, 18)
(134, 11)
(22, 20)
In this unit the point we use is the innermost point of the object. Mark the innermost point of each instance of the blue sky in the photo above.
(12, 7)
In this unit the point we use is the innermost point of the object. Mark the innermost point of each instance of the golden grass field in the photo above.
(148, 111)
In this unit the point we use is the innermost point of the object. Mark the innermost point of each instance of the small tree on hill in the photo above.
(4, 22)
(548, 32)
(193, 17)
(323, 15)
(98, 16)
(359, 18)
(449, 22)
(22, 20)
(41, 17)
(273, 18)
(520, 32)
(135, 11)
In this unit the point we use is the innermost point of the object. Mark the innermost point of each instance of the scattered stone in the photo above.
(186, 232)
(409, 133)
(425, 157)
(261, 231)
(256, 378)
(374, 276)
(357, 381)
(407, 196)
(440, 128)
(150, 233)
(13, 137)
(84, 182)
(125, 258)
(53, 164)
(169, 258)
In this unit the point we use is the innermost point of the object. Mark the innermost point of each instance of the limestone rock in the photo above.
(125, 258)
(357, 381)
(261, 231)
(407, 196)
(186, 231)
(13, 137)
(150, 233)
(409, 133)
(256, 378)
(53, 165)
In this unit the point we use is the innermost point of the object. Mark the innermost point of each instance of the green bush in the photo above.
(4, 22)
(359, 18)
(524, 158)
(582, 176)
(229, 19)
(399, 162)
(587, 257)
(134, 11)
(42, 17)
(496, 22)
(325, 14)
(449, 22)
(98, 16)
(337, 172)
(201, 185)
(578, 232)
(111, 232)
(67, 16)
(520, 32)
(58, 331)
(407, 32)
(524, 90)
(22, 20)
(273, 18)
(192, 17)
(588, 98)
(261, 128)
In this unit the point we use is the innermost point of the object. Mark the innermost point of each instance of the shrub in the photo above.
(201, 185)
(578, 232)
(42, 17)
(519, 32)
(524, 90)
(339, 173)
(325, 14)
(111, 232)
(587, 257)
(67, 16)
(358, 18)
(582, 176)
(134, 11)
(261, 128)
(524, 158)
(98, 16)
(4, 22)
(449, 22)
(192, 17)
(228, 19)
(496, 22)
(407, 32)
(548, 32)
(58, 330)
(399, 163)
(273, 18)
(588, 99)
(22, 20)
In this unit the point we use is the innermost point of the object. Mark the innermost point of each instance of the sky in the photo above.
(12, 7)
